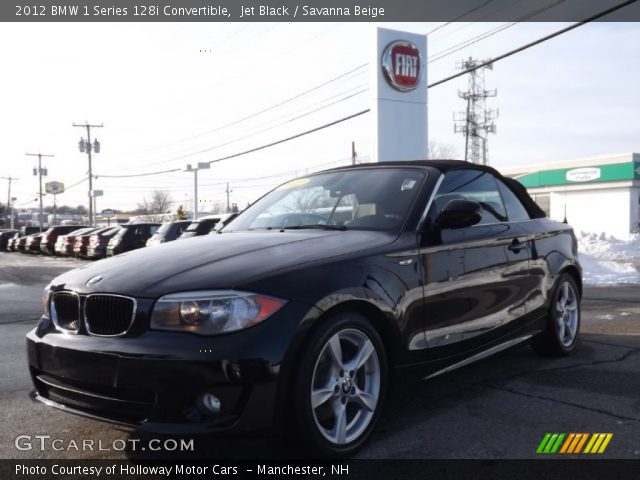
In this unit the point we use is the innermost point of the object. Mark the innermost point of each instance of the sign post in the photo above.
(54, 188)
(399, 103)
(108, 213)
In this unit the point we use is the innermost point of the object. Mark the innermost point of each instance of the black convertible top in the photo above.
(445, 165)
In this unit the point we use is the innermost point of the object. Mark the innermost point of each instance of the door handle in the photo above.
(517, 245)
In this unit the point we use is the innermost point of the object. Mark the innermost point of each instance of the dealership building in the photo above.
(596, 195)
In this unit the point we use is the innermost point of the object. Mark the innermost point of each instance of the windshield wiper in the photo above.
(316, 226)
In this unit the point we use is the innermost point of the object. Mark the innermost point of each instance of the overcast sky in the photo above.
(163, 90)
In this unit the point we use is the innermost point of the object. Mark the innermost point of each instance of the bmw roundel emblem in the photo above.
(94, 280)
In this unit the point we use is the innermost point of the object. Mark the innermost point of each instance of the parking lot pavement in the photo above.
(498, 408)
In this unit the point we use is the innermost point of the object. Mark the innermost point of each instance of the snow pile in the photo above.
(607, 260)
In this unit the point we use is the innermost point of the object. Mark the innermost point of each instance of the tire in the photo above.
(345, 364)
(563, 323)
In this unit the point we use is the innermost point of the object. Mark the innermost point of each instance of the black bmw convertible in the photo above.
(301, 314)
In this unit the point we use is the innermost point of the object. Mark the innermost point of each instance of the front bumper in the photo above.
(152, 381)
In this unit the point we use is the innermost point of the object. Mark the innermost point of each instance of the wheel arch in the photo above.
(573, 271)
(379, 321)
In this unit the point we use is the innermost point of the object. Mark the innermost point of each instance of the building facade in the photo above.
(596, 195)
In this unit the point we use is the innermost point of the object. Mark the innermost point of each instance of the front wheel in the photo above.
(341, 385)
(563, 324)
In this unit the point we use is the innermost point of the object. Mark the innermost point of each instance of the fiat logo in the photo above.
(402, 66)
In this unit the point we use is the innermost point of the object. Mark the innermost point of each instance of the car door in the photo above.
(475, 278)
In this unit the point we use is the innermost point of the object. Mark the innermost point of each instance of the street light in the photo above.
(189, 168)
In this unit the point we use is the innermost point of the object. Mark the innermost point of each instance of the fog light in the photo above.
(209, 403)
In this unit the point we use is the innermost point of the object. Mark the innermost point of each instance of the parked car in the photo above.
(304, 325)
(202, 226)
(81, 243)
(50, 236)
(131, 237)
(30, 230)
(65, 243)
(98, 242)
(168, 232)
(12, 244)
(22, 242)
(224, 221)
(5, 236)
(32, 245)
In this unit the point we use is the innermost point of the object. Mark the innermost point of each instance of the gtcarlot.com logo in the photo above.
(574, 443)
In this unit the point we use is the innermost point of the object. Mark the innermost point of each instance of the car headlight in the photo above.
(212, 312)
(46, 294)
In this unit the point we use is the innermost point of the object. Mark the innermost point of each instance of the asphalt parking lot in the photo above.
(498, 408)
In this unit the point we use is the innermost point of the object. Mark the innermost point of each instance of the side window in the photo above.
(476, 186)
(515, 210)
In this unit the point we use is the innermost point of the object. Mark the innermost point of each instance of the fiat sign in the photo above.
(402, 65)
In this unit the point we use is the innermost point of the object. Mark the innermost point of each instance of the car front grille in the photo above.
(104, 314)
(65, 310)
(108, 315)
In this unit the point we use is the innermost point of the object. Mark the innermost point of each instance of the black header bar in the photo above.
(311, 10)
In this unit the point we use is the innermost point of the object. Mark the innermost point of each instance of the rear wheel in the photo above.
(563, 325)
(341, 386)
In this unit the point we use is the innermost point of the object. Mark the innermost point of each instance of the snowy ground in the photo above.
(609, 261)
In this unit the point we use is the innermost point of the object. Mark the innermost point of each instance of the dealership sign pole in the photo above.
(399, 103)
(54, 188)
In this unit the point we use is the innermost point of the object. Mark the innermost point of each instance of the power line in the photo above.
(454, 48)
(262, 147)
(214, 147)
(139, 174)
(462, 15)
(271, 127)
(535, 42)
(260, 112)
(434, 84)
(76, 183)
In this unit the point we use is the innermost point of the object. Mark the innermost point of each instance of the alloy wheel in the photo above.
(566, 313)
(345, 387)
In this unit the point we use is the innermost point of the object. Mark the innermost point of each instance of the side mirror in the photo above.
(459, 214)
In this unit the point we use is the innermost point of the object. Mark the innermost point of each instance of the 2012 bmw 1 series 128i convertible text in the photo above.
(299, 313)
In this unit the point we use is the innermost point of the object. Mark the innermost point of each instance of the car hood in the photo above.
(224, 261)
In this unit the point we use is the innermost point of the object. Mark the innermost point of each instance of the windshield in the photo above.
(360, 199)
(164, 228)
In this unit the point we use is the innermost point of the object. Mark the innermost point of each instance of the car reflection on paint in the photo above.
(300, 314)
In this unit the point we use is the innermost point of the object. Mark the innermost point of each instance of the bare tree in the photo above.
(156, 207)
(160, 202)
(309, 200)
(442, 151)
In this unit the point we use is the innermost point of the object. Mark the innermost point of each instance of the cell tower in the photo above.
(477, 122)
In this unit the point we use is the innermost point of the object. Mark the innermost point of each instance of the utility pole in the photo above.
(477, 121)
(354, 155)
(9, 200)
(228, 193)
(13, 210)
(41, 171)
(201, 166)
(86, 147)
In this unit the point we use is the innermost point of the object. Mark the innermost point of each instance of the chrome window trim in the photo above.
(86, 321)
(431, 198)
(54, 314)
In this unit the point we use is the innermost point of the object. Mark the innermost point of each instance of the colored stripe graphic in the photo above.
(573, 443)
(598, 442)
(581, 443)
(550, 443)
(543, 443)
(567, 443)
